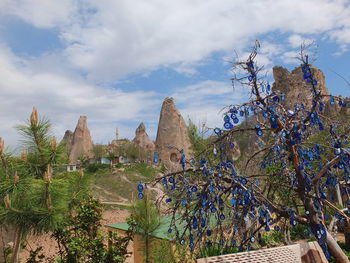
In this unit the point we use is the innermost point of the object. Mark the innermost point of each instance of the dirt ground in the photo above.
(49, 245)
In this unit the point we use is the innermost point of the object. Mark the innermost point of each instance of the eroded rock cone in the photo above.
(82, 142)
(142, 140)
(68, 139)
(172, 135)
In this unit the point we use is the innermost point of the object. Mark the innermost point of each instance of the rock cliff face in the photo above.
(81, 142)
(295, 87)
(172, 135)
(142, 140)
(68, 139)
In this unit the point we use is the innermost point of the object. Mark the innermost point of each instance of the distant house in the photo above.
(137, 246)
(72, 167)
(102, 160)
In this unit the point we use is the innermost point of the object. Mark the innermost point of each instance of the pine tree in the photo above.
(35, 198)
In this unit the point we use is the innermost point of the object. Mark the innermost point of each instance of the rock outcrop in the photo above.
(68, 139)
(293, 85)
(172, 135)
(142, 140)
(81, 142)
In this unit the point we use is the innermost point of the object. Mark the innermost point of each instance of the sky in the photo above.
(116, 60)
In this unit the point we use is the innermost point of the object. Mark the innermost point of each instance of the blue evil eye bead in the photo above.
(140, 187)
(232, 145)
(182, 241)
(235, 120)
(252, 239)
(171, 180)
(234, 243)
(268, 88)
(293, 222)
(291, 113)
(265, 114)
(250, 78)
(267, 228)
(337, 151)
(164, 181)
(170, 230)
(226, 118)
(217, 131)
(208, 232)
(168, 200)
(332, 101)
(250, 64)
(213, 209)
(194, 189)
(184, 202)
(228, 125)
(244, 181)
(277, 228)
(259, 133)
(229, 165)
(222, 217)
(233, 116)
(140, 196)
(241, 113)
(314, 82)
(233, 201)
(170, 147)
(276, 98)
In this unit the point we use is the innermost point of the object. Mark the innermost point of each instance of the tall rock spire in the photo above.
(172, 134)
(142, 140)
(81, 142)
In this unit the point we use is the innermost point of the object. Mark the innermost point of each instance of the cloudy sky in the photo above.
(116, 60)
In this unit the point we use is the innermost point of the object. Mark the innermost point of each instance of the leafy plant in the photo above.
(81, 240)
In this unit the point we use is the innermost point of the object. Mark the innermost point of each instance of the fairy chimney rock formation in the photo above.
(172, 135)
(68, 139)
(294, 86)
(81, 143)
(142, 140)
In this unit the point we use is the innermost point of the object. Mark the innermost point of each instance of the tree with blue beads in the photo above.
(215, 201)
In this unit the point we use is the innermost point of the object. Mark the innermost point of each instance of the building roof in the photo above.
(161, 232)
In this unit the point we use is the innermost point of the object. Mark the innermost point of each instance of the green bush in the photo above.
(215, 250)
(94, 167)
(299, 232)
(271, 239)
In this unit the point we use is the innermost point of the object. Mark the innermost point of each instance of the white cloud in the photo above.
(204, 101)
(63, 98)
(109, 39)
(295, 41)
(42, 13)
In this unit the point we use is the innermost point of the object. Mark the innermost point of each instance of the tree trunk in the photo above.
(16, 245)
(335, 250)
(347, 234)
(286, 235)
(147, 248)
